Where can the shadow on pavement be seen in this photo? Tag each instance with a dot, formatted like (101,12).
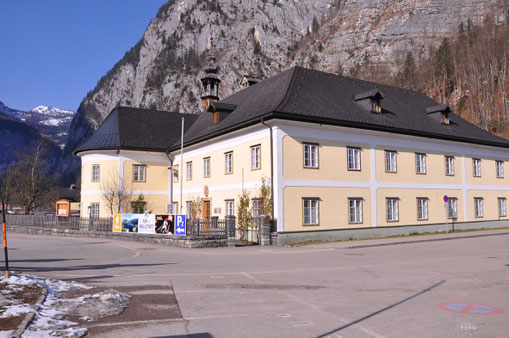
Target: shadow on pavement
(89,278)
(380,311)
(191,335)
(44,260)
(82,267)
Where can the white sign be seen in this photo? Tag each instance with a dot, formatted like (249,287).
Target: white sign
(146,223)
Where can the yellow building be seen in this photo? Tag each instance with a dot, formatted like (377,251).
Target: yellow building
(340,153)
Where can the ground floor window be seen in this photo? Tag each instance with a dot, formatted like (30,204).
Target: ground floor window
(138,207)
(228,207)
(422,208)
(94,210)
(173,208)
(189,208)
(452,207)
(392,209)
(502,207)
(478,206)
(310,211)
(257,207)
(355,210)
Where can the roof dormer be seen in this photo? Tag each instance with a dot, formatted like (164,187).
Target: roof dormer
(371,100)
(440,113)
(220,110)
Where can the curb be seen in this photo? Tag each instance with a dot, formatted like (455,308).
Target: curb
(30,316)
(424,240)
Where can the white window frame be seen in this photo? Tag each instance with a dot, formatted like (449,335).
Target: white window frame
(139,173)
(502,207)
(257,206)
(354,158)
(392,209)
(311,155)
(478,207)
(256,157)
(420,163)
(96,172)
(452,208)
(310,211)
(229,209)
(449,166)
(355,210)
(173,208)
(391,162)
(477,170)
(95,208)
(206,166)
(500,169)
(228,163)
(189,170)
(422,208)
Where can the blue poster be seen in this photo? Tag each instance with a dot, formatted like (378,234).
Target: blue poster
(180,225)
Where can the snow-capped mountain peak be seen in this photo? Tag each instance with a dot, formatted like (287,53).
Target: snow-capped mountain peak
(52,111)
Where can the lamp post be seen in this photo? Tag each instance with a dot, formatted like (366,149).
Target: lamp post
(4,229)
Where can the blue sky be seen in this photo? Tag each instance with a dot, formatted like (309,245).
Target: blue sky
(53,52)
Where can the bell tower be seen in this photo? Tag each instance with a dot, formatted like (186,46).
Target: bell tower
(210,83)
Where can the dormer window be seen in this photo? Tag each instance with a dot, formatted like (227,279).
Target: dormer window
(375,106)
(370,100)
(215,117)
(440,113)
(220,111)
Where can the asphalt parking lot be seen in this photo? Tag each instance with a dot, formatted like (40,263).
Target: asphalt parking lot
(454,288)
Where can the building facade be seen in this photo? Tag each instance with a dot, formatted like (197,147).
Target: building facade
(339,153)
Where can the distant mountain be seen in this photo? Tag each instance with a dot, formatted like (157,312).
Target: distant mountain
(8,111)
(51,122)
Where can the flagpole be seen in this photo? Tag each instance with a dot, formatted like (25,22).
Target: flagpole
(181,163)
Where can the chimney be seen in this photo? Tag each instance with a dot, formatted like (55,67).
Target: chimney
(210,82)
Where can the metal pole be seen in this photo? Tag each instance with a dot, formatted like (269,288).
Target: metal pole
(5,242)
(181,163)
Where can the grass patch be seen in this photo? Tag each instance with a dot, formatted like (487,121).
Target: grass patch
(389,237)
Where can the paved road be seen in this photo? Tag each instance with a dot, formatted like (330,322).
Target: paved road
(320,290)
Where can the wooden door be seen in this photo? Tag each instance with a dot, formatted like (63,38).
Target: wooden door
(206,210)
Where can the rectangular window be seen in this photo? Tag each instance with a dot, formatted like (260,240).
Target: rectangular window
(500,169)
(310,155)
(229,208)
(189,167)
(422,208)
(257,206)
(96,172)
(310,211)
(449,165)
(138,207)
(173,208)
(502,207)
(390,161)
(175,175)
(392,209)
(228,162)
(355,210)
(94,210)
(420,163)
(354,158)
(477,167)
(452,207)
(478,206)
(139,173)
(255,157)
(189,208)
(206,167)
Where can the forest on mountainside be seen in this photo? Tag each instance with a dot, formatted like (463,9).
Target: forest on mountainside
(468,71)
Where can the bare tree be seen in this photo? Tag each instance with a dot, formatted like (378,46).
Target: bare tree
(32,184)
(115,192)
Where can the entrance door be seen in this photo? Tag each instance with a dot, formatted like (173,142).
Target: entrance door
(206,210)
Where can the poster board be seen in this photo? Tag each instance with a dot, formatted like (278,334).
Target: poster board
(163,224)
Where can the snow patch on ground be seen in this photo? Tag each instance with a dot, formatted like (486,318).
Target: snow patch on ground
(50,319)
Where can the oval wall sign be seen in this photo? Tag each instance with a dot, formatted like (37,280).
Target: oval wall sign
(206,190)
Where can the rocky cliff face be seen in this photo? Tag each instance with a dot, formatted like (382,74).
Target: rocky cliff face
(261,38)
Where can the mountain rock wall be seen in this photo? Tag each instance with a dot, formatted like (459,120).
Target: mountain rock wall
(262,38)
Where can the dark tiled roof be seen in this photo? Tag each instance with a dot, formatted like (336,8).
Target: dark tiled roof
(137,129)
(374,93)
(313,96)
